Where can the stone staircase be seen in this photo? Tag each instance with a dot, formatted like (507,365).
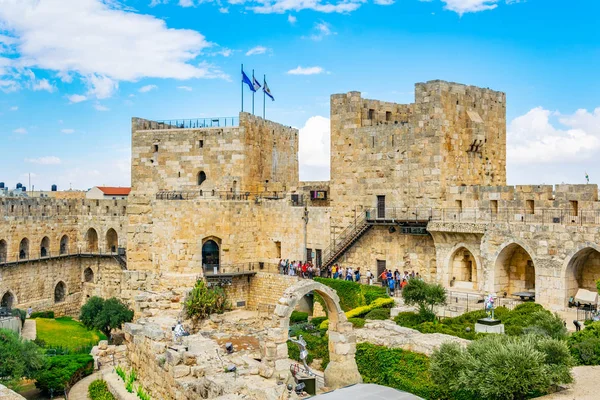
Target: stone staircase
(345,240)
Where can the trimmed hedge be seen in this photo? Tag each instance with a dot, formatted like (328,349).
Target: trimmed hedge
(378,314)
(357,322)
(62,372)
(98,390)
(298,316)
(585,345)
(364,310)
(317,345)
(43,314)
(403,370)
(352,294)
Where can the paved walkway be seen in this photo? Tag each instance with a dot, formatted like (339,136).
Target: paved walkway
(29,331)
(585,386)
(79,391)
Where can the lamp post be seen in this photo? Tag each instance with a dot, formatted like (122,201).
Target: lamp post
(305,219)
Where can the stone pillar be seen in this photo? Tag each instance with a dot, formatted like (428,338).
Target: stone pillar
(342,369)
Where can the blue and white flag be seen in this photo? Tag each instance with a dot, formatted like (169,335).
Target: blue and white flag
(247,81)
(268,91)
(255,84)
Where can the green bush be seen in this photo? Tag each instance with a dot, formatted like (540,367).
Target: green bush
(121,373)
(98,390)
(298,316)
(141,393)
(585,344)
(545,323)
(43,314)
(18,358)
(521,317)
(317,345)
(204,300)
(408,319)
(352,294)
(317,321)
(379,314)
(501,367)
(425,295)
(62,372)
(357,322)
(17,312)
(396,368)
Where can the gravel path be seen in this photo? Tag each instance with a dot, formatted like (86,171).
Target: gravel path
(29,331)
(585,386)
(80,390)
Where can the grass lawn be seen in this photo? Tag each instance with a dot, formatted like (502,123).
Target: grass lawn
(67,333)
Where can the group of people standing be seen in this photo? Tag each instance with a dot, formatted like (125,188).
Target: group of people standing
(298,268)
(396,281)
(348,274)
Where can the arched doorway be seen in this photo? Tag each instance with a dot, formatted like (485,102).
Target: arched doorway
(3,251)
(341,370)
(463,269)
(112,241)
(8,300)
(24,249)
(64,245)
(88,275)
(210,255)
(45,247)
(60,292)
(582,272)
(514,271)
(91,238)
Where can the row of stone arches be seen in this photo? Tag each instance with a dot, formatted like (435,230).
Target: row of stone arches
(514,270)
(9,300)
(91,238)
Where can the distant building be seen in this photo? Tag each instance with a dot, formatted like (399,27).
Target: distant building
(108,193)
(66,194)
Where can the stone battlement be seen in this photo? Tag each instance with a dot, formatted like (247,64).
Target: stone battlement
(26,207)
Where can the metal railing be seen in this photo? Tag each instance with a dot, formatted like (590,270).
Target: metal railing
(407,214)
(225,269)
(220,195)
(517,215)
(191,123)
(20,258)
(340,240)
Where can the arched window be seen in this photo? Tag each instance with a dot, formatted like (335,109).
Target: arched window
(92,240)
(7,300)
(88,275)
(464,269)
(210,255)
(3,251)
(112,240)
(60,291)
(45,247)
(64,245)
(201,177)
(24,249)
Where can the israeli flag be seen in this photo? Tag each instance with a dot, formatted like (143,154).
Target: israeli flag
(247,81)
(268,91)
(255,84)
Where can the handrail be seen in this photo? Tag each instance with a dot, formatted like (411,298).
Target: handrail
(190,123)
(220,195)
(18,259)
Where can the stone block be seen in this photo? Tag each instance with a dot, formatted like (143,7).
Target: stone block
(180,371)
(173,357)
(103,344)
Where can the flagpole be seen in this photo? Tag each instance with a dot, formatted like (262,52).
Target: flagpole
(264,95)
(242,87)
(253,92)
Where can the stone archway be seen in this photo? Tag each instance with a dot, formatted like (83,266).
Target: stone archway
(582,271)
(342,369)
(514,270)
(463,268)
(8,300)
(112,241)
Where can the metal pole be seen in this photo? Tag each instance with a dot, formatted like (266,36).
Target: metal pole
(264,94)
(253,92)
(305,218)
(242,87)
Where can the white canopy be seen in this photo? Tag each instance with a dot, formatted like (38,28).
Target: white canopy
(363,391)
(586,297)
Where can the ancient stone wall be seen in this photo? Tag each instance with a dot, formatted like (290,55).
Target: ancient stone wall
(60,284)
(267,289)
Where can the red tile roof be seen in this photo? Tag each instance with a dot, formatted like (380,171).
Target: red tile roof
(115,191)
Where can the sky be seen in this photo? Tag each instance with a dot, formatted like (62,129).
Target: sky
(74,72)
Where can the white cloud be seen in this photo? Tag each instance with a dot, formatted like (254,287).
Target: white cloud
(466,6)
(49,160)
(100,107)
(256,50)
(306,71)
(43,84)
(283,6)
(321,30)
(67,131)
(186,3)
(225,52)
(76,98)
(224,10)
(533,139)
(14,108)
(186,88)
(384,2)
(21,131)
(292,20)
(110,42)
(147,88)
(314,149)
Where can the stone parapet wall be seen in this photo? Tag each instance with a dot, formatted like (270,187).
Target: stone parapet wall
(266,289)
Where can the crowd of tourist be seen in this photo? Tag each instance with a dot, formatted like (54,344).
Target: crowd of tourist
(394,281)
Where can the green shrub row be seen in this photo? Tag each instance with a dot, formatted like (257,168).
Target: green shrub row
(43,314)
(98,390)
(585,345)
(403,370)
(357,322)
(351,294)
(62,372)
(378,314)
(297,317)
(317,344)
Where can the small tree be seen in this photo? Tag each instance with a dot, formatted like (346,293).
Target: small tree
(18,358)
(203,300)
(425,295)
(105,315)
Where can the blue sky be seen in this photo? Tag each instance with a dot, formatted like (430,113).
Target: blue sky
(74,72)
